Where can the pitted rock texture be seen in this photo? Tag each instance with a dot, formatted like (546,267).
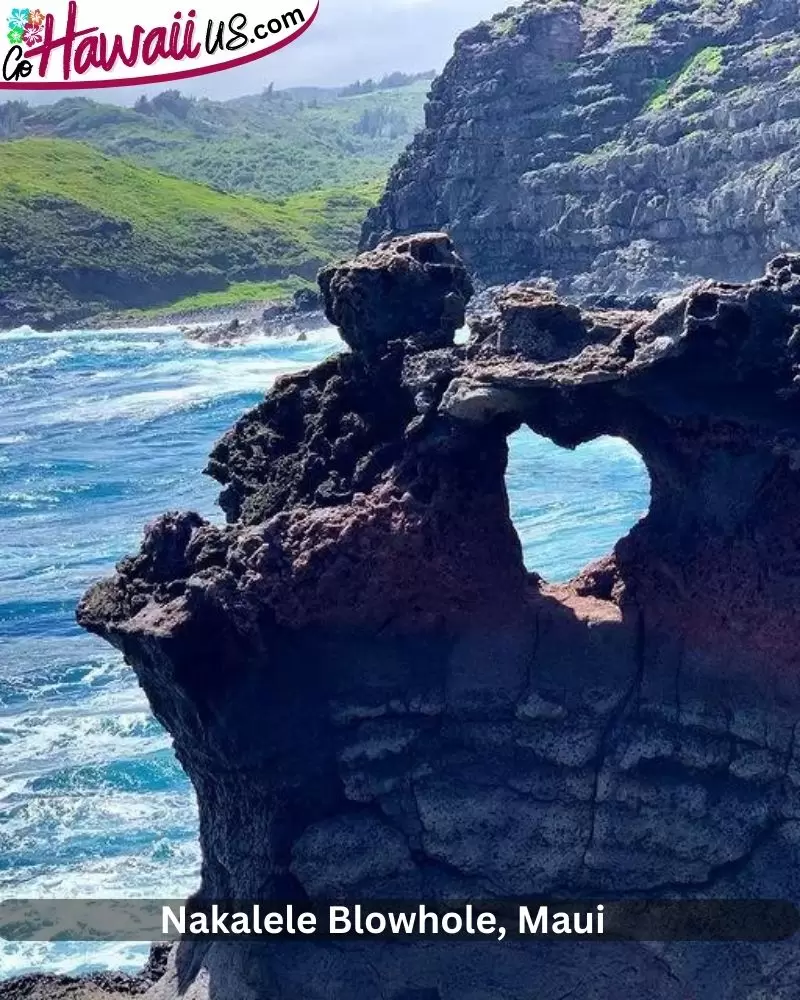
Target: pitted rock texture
(415,287)
(619,146)
(373,698)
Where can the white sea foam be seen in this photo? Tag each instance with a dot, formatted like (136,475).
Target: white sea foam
(28,334)
(209,381)
(19,958)
(35,364)
(119,344)
(60,739)
(319,336)
(155,868)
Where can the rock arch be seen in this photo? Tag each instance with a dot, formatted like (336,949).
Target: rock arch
(570,508)
(373,697)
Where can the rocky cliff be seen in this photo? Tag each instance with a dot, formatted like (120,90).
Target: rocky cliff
(373,698)
(615,145)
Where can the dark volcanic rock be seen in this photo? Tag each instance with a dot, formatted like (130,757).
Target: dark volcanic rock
(414,288)
(306,300)
(281,319)
(100,986)
(616,146)
(374,699)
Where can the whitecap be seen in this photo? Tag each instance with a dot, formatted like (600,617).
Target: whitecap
(29,334)
(120,344)
(323,336)
(210,381)
(69,959)
(31,365)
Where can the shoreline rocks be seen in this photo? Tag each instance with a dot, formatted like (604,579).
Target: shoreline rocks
(279,320)
(98,986)
(299,315)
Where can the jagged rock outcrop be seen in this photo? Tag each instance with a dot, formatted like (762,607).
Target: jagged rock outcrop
(95,986)
(414,288)
(373,698)
(618,146)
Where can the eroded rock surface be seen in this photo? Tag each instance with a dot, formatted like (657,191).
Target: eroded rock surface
(617,145)
(414,288)
(373,697)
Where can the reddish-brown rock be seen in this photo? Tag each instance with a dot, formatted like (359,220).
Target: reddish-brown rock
(373,698)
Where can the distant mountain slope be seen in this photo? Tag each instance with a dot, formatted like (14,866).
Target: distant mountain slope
(82,232)
(616,145)
(273,144)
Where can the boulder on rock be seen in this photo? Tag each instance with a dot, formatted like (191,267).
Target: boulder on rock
(415,288)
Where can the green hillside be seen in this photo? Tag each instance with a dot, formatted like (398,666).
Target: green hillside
(106,208)
(82,232)
(272,144)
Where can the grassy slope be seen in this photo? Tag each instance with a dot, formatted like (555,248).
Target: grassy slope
(81,231)
(271,145)
(237,295)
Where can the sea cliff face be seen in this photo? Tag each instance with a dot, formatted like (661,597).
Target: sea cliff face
(618,146)
(372,696)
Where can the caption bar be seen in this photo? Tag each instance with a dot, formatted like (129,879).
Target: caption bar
(499,920)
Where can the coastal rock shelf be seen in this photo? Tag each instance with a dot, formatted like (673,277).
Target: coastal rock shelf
(372,696)
(617,146)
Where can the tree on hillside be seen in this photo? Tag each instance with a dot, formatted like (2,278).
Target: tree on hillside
(11,115)
(169,102)
(382,121)
(389,82)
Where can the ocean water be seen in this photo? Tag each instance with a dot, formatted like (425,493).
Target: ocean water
(99,433)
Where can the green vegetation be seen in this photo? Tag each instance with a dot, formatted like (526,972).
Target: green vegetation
(111,208)
(640,34)
(245,291)
(104,207)
(630,8)
(82,232)
(600,153)
(660,96)
(273,144)
(503,25)
(239,294)
(623,15)
(687,82)
(390,81)
(709,61)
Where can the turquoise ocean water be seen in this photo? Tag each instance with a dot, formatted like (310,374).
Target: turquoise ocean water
(99,433)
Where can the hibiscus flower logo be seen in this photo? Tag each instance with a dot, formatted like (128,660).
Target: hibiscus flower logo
(19,18)
(16,24)
(25,25)
(32,34)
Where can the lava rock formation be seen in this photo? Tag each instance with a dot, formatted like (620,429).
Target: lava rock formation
(374,699)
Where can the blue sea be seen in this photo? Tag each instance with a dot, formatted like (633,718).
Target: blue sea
(99,433)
